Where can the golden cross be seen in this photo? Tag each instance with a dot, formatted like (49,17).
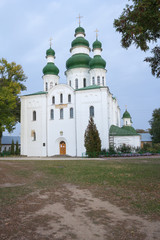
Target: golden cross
(50,41)
(96,33)
(79,19)
(126,107)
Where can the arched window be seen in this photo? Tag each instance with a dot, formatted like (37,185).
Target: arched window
(51,84)
(98,80)
(91,111)
(70,84)
(69,98)
(61,113)
(34,136)
(76,83)
(84,82)
(52,114)
(103,81)
(46,86)
(71,112)
(53,100)
(34,115)
(61,98)
(93,81)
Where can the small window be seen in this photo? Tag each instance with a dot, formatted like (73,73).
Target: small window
(71,112)
(51,84)
(34,115)
(84,82)
(61,113)
(91,111)
(53,100)
(70,84)
(103,81)
(126,123)
(46,86)
(61,98)
(34,136)
(52,114)
(98,80)
(69,98)
(93,81)
(76,83)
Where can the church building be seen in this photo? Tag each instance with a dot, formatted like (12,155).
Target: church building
(53,121)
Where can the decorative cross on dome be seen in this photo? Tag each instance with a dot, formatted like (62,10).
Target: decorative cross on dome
(50,40)
(126,107)
(96,33)
(79,19)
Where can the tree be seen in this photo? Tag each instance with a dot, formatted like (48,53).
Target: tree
(12,148)
(155,126)
(17,148)
(139,24)
(92,141)
(11,78)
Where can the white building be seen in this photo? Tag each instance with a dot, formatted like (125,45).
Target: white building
(53,121)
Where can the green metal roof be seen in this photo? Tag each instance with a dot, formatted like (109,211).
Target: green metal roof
(90,87)
(126,114)
(50,52)
(37,93)
(97,44)
(123,131)
(79,60)
(50,68)
(80,41)
(97,62)
(79,30)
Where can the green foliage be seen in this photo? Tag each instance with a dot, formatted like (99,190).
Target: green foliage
(155,126)
(17,149)
(124,148)
(11,78)
(139,25)
(12,148)
(111,150)
(92,140)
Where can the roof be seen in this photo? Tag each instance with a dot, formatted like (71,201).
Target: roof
(126,114)
(146,137)
(123,131)
(8,139)
(90,87)
(36,93)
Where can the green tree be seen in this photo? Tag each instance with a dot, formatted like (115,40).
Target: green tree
(12,148)
(139,24)
(92,141)
(17,148)
(155,126)
(11,84)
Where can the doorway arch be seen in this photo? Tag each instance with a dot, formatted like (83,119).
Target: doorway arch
(62,148)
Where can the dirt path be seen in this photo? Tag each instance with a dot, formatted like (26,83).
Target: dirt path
(76,214)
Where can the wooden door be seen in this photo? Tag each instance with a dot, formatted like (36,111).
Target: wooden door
(62,147)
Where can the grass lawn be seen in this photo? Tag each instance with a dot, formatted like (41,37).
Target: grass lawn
(131,184)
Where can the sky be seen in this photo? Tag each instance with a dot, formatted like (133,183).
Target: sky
(27,26)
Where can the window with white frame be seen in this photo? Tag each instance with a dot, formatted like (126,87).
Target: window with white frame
(34,115)
(71,112)
(103,81)
(93,81)
(98,80)
(69,98)
(46,86)
(52,114)
(53,100)
(91,111)
(61,113)
(61,98)
(76,83)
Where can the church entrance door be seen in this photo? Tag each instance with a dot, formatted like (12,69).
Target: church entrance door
(62,147)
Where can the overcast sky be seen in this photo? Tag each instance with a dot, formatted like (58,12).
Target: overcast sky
(27,25)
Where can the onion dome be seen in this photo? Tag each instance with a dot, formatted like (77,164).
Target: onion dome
(97,62)
(79,30)
(50,68)
(126,114)
(79,60)
(97,44)
(80,41)
(50,52)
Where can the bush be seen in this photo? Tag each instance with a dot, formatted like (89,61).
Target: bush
(124,148)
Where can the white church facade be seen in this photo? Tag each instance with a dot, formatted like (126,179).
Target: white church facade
(53,121)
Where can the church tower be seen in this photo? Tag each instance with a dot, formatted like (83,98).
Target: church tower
(50,71)
(127,120)
(97,65)
(77,65)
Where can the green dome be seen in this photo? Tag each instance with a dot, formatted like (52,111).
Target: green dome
(79,60)
(79,30)
(97,62)
(80,41)
(50,52)
(50,68)
(97,44)
(126,114)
